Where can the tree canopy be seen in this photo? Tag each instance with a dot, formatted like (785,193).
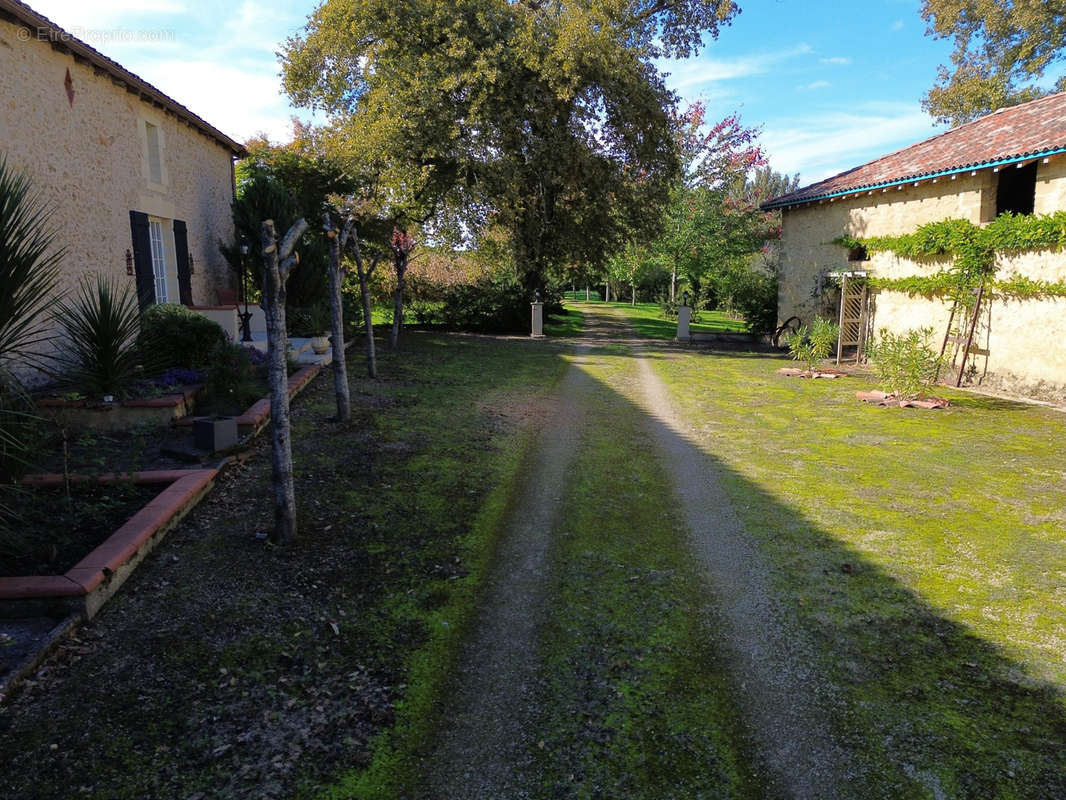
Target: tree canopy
(547,119)
(1002,50)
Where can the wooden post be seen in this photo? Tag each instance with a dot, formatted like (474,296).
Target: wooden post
(364,272)
(278,261)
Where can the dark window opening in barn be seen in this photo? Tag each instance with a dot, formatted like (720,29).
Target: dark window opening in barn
(858,254)
(1017,188)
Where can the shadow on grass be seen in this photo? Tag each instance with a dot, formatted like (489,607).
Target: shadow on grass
(925,706)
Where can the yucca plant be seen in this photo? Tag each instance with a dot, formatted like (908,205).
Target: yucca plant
(101,321)
(29,271)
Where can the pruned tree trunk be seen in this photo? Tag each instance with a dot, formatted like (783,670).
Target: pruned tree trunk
(673,282)
(402,244)
(586,292)
(364,272)
(397,303)
(633,297)
(278,261)
(337,238)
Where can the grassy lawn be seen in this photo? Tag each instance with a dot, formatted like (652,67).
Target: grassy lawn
(925,555)
(233,669)
(570,323)
(649,322)
(636,702)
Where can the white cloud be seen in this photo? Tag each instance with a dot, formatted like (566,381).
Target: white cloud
(817,145)
(697,72)
(218,59)
(841,60)
(816,85)
(897,25)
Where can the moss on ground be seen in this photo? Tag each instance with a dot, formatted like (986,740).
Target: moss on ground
(637,703)
(923,552)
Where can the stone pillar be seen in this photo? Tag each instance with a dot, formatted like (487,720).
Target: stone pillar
(538,320)
(684,316)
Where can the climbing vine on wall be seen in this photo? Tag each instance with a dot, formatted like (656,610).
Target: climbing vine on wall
(973,250)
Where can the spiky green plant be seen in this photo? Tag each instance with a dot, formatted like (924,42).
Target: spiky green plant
(811,345)
(101,322)
(29,271)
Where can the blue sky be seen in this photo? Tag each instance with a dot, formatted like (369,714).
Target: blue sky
(831,84)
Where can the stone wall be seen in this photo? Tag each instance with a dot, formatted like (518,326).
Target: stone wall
(1026,352)
(88,158)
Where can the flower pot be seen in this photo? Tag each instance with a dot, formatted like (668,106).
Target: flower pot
(214,433)
(320,344)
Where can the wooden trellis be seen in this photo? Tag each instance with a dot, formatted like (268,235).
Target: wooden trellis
(854,313)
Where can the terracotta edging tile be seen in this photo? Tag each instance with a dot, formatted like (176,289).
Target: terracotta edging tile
(122,545)
(33,586)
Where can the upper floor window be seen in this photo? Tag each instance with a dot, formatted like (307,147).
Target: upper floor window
(1016,189)
(155,153)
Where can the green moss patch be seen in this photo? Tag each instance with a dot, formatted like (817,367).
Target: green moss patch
(922,552)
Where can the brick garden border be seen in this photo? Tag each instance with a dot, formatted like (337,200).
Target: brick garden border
(91,582)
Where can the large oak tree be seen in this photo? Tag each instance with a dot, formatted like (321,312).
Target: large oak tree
(1002,50)
(547,118)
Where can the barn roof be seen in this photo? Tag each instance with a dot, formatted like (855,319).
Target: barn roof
(1011,135)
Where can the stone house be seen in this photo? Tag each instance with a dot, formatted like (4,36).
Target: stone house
(141,186)
(1013,160)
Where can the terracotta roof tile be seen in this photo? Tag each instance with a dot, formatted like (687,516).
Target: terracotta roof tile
(1011,134)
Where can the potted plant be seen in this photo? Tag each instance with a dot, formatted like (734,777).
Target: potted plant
(314,323)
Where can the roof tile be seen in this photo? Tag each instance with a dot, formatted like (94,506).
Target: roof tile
(1009,134)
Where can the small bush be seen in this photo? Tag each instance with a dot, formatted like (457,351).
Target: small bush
(236,378)
(174,336)
(755,299)
(495,305)
(101,324)
(906,362)
(814,344)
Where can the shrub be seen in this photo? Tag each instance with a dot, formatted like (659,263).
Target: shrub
(236,378)
(906,362)
(101,323)
(174,336)
(492,304)
(755,299)
(812,345)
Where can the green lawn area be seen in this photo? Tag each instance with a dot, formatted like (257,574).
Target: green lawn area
(925,554)
(570,323)
(648,320)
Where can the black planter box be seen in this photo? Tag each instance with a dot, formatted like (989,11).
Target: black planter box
(214,433)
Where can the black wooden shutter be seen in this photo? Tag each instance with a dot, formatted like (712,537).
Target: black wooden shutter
(142,259)
(181,251)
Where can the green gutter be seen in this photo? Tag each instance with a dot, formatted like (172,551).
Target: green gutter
(900,181)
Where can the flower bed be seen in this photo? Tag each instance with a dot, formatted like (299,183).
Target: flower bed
(87,585)
(120,415)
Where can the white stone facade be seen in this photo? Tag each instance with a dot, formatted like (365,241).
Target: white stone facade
(1026,349)
(97,148)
